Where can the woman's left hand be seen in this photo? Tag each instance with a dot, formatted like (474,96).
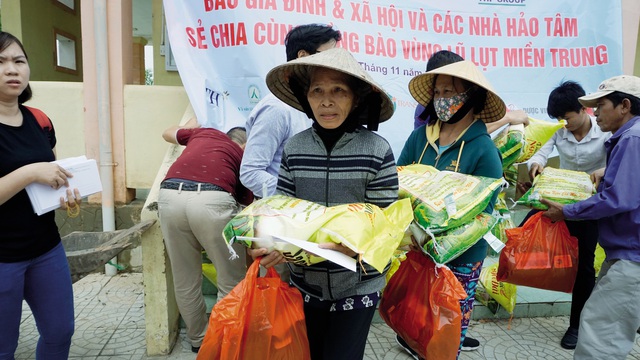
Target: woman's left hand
(338,247)
(73,199)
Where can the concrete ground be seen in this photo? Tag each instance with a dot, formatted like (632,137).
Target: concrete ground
(110,325)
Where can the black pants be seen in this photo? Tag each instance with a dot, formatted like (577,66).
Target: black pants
(337,335)
(586,231)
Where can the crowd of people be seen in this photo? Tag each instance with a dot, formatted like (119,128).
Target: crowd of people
(314,138)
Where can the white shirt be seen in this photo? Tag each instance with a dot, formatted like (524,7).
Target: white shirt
(269,126)
(586,155)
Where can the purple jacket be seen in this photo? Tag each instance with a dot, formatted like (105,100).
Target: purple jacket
(616,206)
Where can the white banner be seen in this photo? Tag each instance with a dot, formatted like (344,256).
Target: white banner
(224,48)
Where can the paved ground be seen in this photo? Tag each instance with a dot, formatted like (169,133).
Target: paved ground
(110,325)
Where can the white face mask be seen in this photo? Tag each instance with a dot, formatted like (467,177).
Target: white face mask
(447,107)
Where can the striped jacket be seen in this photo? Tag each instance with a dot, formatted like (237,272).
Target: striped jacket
(359,168)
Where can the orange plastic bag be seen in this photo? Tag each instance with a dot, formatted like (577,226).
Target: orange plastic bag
(421,304)
(540,254)
(261,318)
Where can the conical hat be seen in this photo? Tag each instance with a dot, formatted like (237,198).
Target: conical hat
(337,59)
(421,88)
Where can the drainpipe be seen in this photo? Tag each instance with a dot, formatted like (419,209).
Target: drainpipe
(104,122)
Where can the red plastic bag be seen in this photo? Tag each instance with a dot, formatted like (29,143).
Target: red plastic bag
(261,318)
(540,254)
(421,303)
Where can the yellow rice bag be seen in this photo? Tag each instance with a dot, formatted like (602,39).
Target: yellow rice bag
(398,257)
(443,200)
(559,185)
(503,293)
(370,231)
(536,134)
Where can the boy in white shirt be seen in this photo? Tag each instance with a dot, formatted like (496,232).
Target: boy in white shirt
(580,145)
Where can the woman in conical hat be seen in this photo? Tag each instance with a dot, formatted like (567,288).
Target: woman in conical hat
(336,161)
(456,139)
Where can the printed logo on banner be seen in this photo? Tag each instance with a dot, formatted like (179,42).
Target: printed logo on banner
(254,94)
(215,98)
(215,109)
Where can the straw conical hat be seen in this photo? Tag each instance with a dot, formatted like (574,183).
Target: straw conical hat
(337,59)
(421,88)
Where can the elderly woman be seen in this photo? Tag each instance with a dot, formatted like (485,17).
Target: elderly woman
(336,161)
(456,139)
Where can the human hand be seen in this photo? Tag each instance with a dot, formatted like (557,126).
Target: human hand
(338,247)
(515,117)
(555,210)
(523,187)
(268,259)
(72,204)
(73,199)
(534,170)
(50,174)
(596,176)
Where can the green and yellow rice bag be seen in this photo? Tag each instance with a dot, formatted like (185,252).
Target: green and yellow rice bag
(450,244)
(536,134)
(370,231)
(511,175)
(503,293)
(503,221)
(559,185)
(510,142)
(443,200)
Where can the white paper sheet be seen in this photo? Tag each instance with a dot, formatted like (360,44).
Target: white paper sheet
(86,179)
(331,255)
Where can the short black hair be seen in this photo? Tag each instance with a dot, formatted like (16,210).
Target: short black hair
(442,58)
(308,38)
(238,135)
(6,40)
(564,99)
(616,98)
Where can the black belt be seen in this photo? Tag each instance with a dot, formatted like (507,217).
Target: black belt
(190,186)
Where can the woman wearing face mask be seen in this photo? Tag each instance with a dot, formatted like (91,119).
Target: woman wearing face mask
(456,139)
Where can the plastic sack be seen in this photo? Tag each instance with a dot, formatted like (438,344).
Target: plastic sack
(540,254)
(510,142)
(261,318)
(444,200)
(536,134)
(559,185)
(421,303)
(503,293)
(398,257)
(370,231)
(452,243)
